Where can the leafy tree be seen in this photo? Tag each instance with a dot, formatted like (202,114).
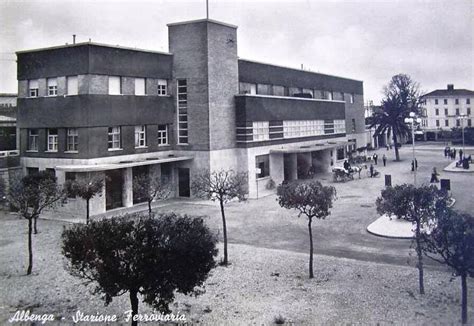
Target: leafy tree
(30,195)
(221,186)
(416,205)
(151,257)
(311,199)
(401,96)
(86,189)
(451,242)
(149,187)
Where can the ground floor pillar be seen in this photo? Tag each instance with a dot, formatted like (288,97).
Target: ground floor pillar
(291,166)
(127,189)
(277,168)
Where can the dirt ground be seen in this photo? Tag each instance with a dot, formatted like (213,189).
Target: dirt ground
(259,285)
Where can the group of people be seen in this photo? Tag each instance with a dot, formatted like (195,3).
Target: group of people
(451,153)
(375,157)
(463,159)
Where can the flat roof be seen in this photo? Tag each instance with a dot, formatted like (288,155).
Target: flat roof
(92,43)
(201,21)
(119,165)
(296,69)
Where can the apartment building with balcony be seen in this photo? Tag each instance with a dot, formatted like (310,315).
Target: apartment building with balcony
(113,112)
(444,109)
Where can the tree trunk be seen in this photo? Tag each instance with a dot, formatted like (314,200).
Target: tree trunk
(134,304)
(87,211)
(224,227)
(149,208)
(30,247)
(395,140)
(464,298)
(419,253)
(311,274)
(35,219)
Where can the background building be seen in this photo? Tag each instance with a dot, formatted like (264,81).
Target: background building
(91,109)
(443,109)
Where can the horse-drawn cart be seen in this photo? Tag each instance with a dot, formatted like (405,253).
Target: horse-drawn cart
(342,175)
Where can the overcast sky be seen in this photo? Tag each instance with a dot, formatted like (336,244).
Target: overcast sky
(432,41)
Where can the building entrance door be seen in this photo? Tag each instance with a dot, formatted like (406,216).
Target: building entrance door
(183,182)
(113,189)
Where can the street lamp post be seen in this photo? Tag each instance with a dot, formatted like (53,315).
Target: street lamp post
(412,120)
(462,118)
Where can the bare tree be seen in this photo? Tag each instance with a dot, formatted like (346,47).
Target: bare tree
(30,195)
(149,188)
(221,186)
(86,189)
(311,199)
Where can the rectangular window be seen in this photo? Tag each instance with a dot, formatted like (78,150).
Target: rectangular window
(302,128)
(353,125)
(342,96)
(458,123)
(436,101)
(445,101)
(33,87)
(262,164)
(340,153)
(115,85)
(446,123)
(351,98)
(468,101)
(468,111)
(72,139)
(260,130)
(140,136)
(52,87)
(72,85)
(33,139)
(445,111)
(140,86)
(469,123)
(278,90)
(114,138)
(456,101)
(52,140)
(436,111)
(330,96)
(182,99)
(162,87)
(457,111)
(437,123)
(162,135)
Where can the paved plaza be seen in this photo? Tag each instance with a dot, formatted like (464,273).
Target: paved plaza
(263,223)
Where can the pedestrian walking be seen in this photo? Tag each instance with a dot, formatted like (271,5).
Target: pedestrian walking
(375,157)
(416,164)
(371,169)
(384,159)
(434,176)
(387,147)
(412,166)
(454,154)
(460,154)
